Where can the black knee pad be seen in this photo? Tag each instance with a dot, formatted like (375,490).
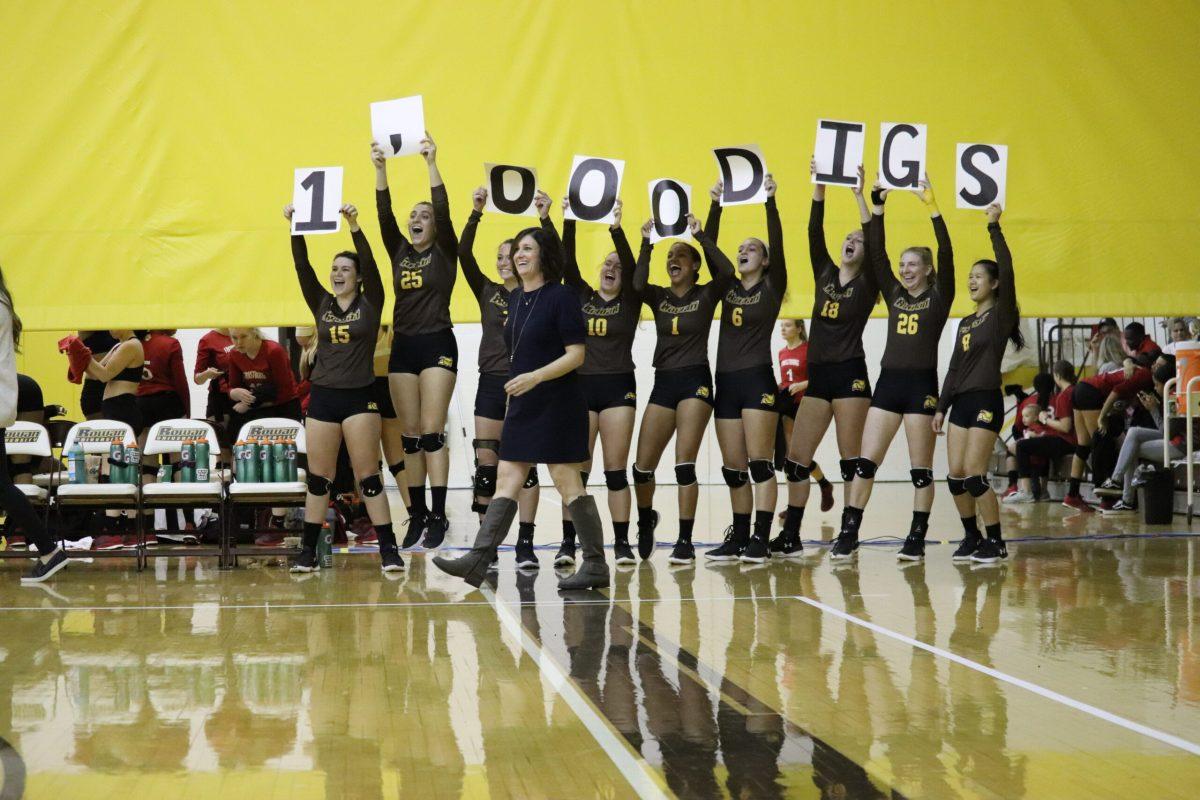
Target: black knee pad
(865,468)
(848,465)
(734,478)
(761,470)
(957,486)
(486,444)
(977,485)
(478,507)
(432,442)
(318,485)
(685,474)
(585,476)
(921,477)
(1083,451)
(641,477)
(796,472)
(412,444)
(371,486)
(485,480)
(396,468)
(531,479)
(616,480)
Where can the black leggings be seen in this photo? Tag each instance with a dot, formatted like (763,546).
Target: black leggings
(1048,447)
(21,513)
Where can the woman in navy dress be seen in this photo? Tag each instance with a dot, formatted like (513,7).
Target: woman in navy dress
(547,417)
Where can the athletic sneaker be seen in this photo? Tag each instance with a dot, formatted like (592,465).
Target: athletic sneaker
(436,526)
(43,570)
(1106,504)
(682,553)
(826,495)
(565,557)
(1111,488)
(787,545)
(729,550)
(845,547)
(526,559)
(1078,503)
(390,560)
(368,538)
(307,561)
(1010,491)
(990,551)
(495,564)
(15,542)
(645,536)
(1019,497)
(1119,508)
(967,548)
(269,540)
(913,549)
(180,537)
(757,551)
(416,528)
(623,553)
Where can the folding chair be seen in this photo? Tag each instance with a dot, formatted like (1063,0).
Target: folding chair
(168,436)
(256,495)
(95,436)
(58,430)
(28,439)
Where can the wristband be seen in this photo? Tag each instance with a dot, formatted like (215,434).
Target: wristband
(877,197)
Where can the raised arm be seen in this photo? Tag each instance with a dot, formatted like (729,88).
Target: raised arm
(625,256)
(543,202)
(1006,304)
(310,285)
(368,270)
(446,240)
(127,354)
(712,225)
(641,272)
(875,238)
(571,275)
(466,245)
(818,252)
(722,268)
(777,269)
(393,239)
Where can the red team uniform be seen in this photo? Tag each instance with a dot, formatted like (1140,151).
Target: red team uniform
(793,368)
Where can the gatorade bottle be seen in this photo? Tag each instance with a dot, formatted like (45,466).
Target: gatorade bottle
(116,462)
(187,462)
(325,543)
(279,460)
(265,473)
(202,461)
(253,470)
(133,464)
(239,471)
(76,464)
(289,457)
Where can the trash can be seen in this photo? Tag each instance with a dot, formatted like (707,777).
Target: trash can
(1156,493)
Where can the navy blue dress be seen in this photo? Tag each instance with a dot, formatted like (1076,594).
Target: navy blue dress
(549,424)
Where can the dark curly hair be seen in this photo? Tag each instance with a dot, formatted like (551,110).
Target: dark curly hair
(550,253)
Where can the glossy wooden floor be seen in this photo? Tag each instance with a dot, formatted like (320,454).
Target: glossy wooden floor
(186,682)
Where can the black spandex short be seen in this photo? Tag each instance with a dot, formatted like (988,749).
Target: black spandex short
(786,403)
(907,391)
(338,405)
(614,390)
(673,386)
(491,401)
(419,352)
(745,389)
(124,408)
(839,380)
(983,408)
(383,397)
(91,397)
(1087,397)
(159,407)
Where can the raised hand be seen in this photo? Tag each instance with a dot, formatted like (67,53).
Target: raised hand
(862,179)
(716,190)
(479,198)
(768,184)
(288,210)
(378,157)
(542,202)
(693,224)
(429,149)
(616,215)
(993,212)
(351,214)
(647,228)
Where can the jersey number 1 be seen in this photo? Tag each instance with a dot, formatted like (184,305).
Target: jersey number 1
(674,326)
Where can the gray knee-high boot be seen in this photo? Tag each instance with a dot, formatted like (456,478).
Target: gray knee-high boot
(472,567)
(593,572)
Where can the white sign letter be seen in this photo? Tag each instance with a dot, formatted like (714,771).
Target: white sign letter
(839,152)
(398,125)
(981,175)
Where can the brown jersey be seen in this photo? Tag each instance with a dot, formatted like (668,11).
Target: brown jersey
(840,311)
(611,324)
(493,303)
(423,281)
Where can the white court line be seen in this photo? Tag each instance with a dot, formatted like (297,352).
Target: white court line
(1049,694)
(640,775)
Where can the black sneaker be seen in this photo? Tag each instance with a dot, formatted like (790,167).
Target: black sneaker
(623,554)
(307,561)
(526,559)
(729,550)
(846,547)
(390,560)
(787,545)
(495,565)
(913,549)
(682,553)
(565,557)
(757,551)
(43,570)
(990,551)
(967,548)
(416,528)
(645,536)
(1110,488)
(436,526)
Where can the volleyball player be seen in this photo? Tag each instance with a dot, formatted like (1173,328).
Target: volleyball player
(838,386)
(611,311)
(491,401)
(92,393)
(424,361)
(971,393)
(745,404)
(793,383)
(681,401)
(547,418)
(391,436)
(918,302)
(342,404)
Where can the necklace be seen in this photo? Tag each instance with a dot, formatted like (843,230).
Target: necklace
(531,304)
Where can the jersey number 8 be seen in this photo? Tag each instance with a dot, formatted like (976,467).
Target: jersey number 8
(830,309)
(597,326)
(907,323)
(410,279)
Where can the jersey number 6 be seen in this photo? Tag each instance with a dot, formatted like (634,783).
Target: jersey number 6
(736,317)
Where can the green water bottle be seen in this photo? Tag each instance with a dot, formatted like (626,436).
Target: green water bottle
(325,547)
(116,462)
(133,464)
(187,462)
(289,457)
(253,473)
(239,471)
(76,464)
(265,473)
(278,460)
(202,461)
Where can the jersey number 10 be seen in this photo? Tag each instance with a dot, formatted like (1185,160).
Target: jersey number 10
(597,326)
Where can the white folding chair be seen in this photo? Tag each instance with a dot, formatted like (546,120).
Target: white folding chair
(29,439)
(95,437)
(257,494)
(168,436)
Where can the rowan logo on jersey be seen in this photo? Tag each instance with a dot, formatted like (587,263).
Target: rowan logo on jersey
(833,293)
(445,361)
(903,304)
(667,307)
(353,316)
(500,301)
(930,402)
(859,385)
(735,298)
(372,406)
(631,396)
(768,400)
(984,416)
(168,433)
(702,392)
(592,309)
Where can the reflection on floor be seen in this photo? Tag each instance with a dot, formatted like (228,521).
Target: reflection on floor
(183,681)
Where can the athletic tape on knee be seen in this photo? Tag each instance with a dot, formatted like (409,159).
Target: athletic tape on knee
(977,485)
(531,480)
(318,485)
(956,486)
(796,472)
(734,478)
(616,480)
(371,486)
(685,474)
(642,477)
(921,477)
(485,480)
(486,444)
(761,470)
(411,444)
(865,468)
(432,442)
(847,465)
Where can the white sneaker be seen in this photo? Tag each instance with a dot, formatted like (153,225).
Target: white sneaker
(1119,508)
(1019,497)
